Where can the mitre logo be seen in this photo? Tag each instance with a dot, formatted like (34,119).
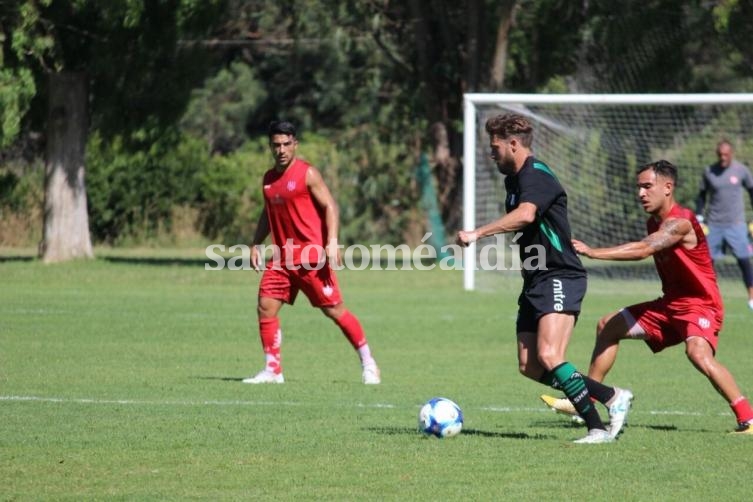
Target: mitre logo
(559,295)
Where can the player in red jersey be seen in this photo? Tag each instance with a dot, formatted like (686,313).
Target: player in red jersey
(690,309)
(303,218)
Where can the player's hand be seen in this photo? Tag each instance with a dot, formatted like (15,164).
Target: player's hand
(466,238)
(333,255)
(256,258)
(580,247)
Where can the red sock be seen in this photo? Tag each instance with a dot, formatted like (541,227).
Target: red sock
(742,409)
(352,329)
(271,339)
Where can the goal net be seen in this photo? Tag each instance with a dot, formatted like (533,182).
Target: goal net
(594,143)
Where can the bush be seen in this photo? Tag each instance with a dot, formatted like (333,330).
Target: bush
(132,193)
(150,188)
(21,203)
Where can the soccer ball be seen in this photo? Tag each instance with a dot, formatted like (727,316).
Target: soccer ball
(440,417)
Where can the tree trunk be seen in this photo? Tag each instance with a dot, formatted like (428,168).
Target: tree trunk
(66,221)
(499,62)
(447,171)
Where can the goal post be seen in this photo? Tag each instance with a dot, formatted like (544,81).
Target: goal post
(594,142)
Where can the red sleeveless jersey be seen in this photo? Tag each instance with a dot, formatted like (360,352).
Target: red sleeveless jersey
(687,275)
(295,220)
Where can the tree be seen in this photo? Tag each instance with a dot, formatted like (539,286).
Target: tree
(66,221)
(119,56)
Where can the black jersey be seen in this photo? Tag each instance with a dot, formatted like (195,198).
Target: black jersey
(545,246)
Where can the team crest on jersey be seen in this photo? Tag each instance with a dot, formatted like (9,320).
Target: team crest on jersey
(291,186)
(704,323)
(733,180)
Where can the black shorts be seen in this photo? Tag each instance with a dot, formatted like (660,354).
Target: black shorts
(550,295)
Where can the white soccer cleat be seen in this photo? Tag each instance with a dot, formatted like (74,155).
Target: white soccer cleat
(265,376)
(371,374)
(618,410)
(595,436)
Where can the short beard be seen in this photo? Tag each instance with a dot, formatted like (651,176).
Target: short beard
(506,167)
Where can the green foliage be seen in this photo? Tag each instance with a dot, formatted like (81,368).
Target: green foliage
(21,187)
(131,193)
(230,197)
(16,90)
(376,189)
(21,203)
(168,100)
(722,12)
(219,110)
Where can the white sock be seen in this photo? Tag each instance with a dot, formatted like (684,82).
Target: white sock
(365,354)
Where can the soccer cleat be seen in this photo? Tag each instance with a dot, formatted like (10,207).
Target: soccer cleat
(618,410)
(750,304)
(595,436)
(559,404)
(744,428)
(371,374)
(265,376)
(564,406)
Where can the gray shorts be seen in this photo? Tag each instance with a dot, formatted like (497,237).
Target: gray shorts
(735,236)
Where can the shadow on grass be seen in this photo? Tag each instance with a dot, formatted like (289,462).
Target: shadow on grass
(671,428)
(661,427)
(220,378)
(157,261)
(400,431)
(506,435)
(567,424)
(563,423)
(16,258)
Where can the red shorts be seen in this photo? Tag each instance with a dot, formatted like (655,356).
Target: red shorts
(319,286)
(666,323)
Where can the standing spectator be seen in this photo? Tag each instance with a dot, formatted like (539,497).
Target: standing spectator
(724,182)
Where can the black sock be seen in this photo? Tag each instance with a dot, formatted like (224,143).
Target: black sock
(572,383)
(602,393)
(548,379)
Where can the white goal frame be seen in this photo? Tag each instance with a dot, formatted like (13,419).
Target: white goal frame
(471,100)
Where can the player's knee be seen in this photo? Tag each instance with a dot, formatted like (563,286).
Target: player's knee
(549,357)
(528,370)
(335,311)
(611,327)
(602,324)
(701,357)
(264,310)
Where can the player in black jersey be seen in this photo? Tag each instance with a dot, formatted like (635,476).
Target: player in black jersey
(554,280)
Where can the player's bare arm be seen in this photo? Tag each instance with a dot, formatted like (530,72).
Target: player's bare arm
(323,198)
(515,220)
(671,232)
(262,231)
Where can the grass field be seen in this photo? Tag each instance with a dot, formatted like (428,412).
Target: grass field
(120,379)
